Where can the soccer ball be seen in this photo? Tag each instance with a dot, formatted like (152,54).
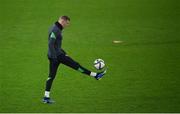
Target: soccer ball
(99,64)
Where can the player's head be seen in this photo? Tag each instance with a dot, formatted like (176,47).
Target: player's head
(64,21)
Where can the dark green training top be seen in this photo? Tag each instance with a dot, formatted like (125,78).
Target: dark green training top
(55,41)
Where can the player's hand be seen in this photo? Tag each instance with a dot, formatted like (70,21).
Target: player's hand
(63,52)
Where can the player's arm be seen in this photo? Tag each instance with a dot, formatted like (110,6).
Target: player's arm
(51,44)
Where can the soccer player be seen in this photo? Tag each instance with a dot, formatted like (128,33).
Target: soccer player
(57,55)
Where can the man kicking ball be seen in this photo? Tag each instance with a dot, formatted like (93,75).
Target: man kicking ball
(57,55)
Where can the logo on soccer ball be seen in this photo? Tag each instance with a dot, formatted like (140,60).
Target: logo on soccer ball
(99,64)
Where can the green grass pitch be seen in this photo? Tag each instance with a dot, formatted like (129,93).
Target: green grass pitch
(144,70)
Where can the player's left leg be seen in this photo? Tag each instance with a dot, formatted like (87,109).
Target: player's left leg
(53,66)
(66,60)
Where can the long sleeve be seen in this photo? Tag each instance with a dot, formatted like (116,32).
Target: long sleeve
(51,45)
(55,41)
(62,51)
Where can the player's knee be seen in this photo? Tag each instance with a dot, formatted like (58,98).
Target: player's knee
(77,65)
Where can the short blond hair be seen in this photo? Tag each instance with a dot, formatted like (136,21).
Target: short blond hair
(64,17)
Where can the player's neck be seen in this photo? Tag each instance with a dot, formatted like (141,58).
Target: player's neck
(59,25)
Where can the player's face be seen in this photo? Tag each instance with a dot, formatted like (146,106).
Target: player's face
(66,23)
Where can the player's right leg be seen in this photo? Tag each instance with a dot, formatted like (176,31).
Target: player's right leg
(53,66)
(66,60)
